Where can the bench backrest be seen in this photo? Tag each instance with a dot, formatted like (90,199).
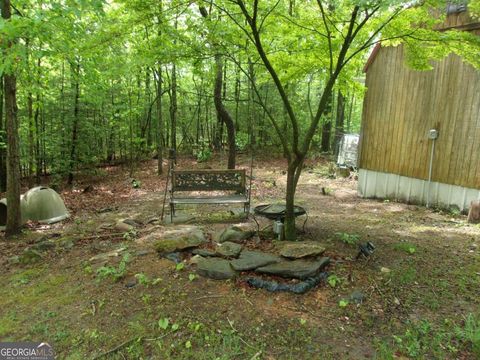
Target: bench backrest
(208,180)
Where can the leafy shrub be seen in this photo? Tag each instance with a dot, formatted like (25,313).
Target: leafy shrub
(204,155)
(349,239)
(111,271)
(241,141)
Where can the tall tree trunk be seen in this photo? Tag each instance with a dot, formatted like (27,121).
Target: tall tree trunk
(3,154)
(13,156)
(160,122)
(38,158)
(327,127)
(73,147)
(173,109)
(349,118)
(31,144)
(222,112)
(339,122)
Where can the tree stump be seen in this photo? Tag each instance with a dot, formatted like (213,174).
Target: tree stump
(474,212)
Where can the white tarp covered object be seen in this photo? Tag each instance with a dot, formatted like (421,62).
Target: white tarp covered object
(40,204)
(348,151)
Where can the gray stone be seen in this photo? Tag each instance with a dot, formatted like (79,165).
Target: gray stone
(179,238)
(143,252)
(228,249)
(300,249)
(215,268)
(106,256)
(195,259)
(250,260)
(174,256)
(203,252)
(235,234)
(300,269)
(357,297)
(132,222)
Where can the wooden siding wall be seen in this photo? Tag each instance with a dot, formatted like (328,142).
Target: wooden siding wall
(401,105)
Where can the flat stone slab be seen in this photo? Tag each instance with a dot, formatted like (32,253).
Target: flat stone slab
(228,249)
(215,268)
(250,260)
(300,249)
(299,269)
(235,234)
(178,239)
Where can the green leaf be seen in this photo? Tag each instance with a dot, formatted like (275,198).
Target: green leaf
(188,344)
(343,303)
(175,327)
(180,266)
(163,323)
(192,277)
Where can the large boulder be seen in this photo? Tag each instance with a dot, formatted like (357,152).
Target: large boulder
(235,234)
(215,268)
(300,249)
(228,249)
(250,260)
(178,239)
(299,269)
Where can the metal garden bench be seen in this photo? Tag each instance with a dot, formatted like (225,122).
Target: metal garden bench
(209,187)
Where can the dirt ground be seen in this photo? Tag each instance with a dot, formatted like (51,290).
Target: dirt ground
(419,291)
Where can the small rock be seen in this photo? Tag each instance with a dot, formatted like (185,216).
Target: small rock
(195,259)
(228,249)
(396,301)
(235,234)
(300,269)
(105,256)
(300,249)
(385,270)
(131,282)
(357,297)
(203,252)
(122,226)
(250,260)
(174,256)
(133,223)
(143,252)
(215,268)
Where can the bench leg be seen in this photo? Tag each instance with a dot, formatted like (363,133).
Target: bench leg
(172,212)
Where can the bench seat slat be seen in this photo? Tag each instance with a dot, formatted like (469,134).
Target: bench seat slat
(228,199)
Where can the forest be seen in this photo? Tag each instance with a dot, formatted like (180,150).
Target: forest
(104,102)
(117,82)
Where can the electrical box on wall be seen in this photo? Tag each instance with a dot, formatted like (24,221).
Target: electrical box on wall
(433,134)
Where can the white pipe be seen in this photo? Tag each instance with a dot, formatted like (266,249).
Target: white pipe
(430,173)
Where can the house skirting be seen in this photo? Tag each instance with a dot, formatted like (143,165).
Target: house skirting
(375,184)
